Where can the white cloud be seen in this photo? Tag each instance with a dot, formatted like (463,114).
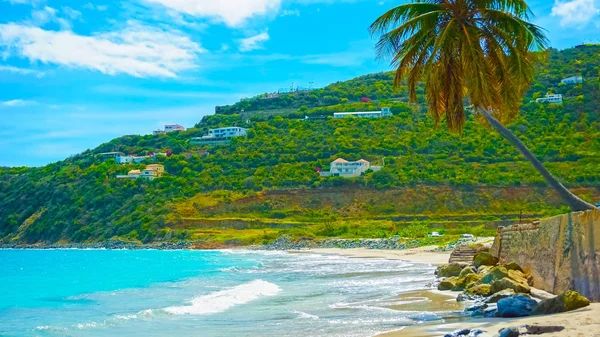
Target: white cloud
(100,8)
(72,13)
(232,12)
(575,12)
(22,71)
(46,15)
(253,42)
(137,50)
(16,103)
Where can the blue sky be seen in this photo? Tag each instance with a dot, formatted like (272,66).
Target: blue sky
(75,74)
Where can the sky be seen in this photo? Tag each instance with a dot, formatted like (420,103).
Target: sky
(75,74)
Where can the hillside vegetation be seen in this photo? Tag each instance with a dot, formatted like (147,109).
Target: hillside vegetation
(251,186)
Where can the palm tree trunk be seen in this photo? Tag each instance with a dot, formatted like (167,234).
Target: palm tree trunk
(576,203)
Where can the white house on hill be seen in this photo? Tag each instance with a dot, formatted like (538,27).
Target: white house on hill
(554,99)
(220,136)
(349,169)
(385,112)
(572,80)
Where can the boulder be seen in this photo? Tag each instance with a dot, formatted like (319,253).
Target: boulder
(449,270)
(466,271)
(509,332)
(462,297)
(568,301)
(507,283)
(494,274)
(480,290)
(541,329)
(516,306)
(541,294)
(518,276)
(500,295)
(448,283)
(464,281)
(465,333)
(482,270)
(513,266)
(484,259)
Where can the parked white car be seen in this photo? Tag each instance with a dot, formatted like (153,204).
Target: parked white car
(467,236)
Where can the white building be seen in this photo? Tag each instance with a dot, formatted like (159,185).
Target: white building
(554,99)
(127,159)
(348,169)
(572,80)
(385,112)
(221,135)
(226,133)
(173,127)
(158,132)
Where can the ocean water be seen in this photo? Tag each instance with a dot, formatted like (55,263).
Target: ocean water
(205,293)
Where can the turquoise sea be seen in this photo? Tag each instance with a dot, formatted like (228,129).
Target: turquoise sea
(203,293)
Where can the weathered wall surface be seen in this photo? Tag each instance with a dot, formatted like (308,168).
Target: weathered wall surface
(562,252)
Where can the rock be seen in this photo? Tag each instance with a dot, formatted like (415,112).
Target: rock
(540,329)
(448,283)
(484,259)
(462,297)
(466,271)
(541,294)
(448,270)
(465,333)
(507,283)
(513,266)
(482,270)
(500,295)
(494,274)
(516,306)
(480,290)
(568,301)
(509,332)
(517,276)
(463,282)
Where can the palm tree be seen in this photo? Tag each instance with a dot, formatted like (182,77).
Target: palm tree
(480,50)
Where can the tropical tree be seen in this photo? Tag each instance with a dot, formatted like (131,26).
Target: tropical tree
(477,51)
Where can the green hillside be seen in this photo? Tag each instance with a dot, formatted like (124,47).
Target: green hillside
(475,179)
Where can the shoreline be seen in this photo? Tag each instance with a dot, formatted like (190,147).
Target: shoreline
(424,254)
(584,322)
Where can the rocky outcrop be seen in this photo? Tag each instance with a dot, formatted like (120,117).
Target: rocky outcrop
(561,253)
(568,301)
(516,306)
(484,259)
(507,283)
(448,283)
(449,270)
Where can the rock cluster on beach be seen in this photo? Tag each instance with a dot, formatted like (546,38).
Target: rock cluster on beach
(502,290)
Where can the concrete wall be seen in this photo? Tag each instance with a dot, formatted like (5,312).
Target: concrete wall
(562,252)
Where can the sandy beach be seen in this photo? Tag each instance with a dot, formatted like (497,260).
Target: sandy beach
(578,323)
(419,255)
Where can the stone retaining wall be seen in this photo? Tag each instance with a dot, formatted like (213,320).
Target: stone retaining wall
(562,252)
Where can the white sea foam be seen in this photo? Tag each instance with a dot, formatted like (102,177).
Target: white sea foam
(225,299)
(306,315)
